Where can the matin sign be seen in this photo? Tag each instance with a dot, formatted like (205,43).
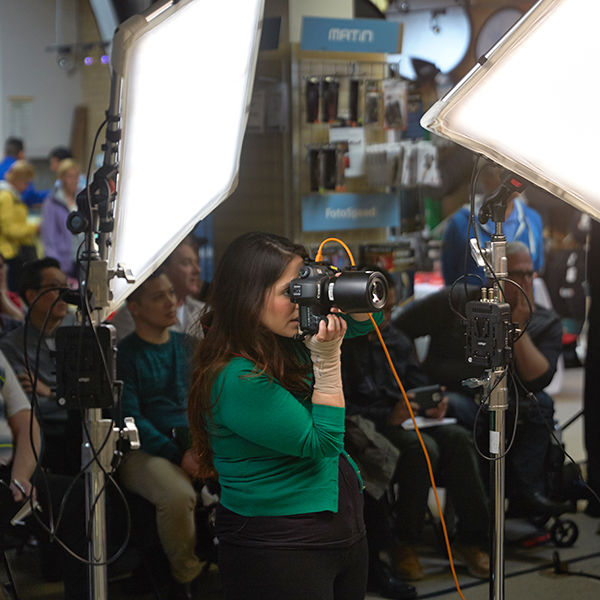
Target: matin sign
(350,35)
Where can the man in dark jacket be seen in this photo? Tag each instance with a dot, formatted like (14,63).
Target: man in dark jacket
(535,355)
(371,391)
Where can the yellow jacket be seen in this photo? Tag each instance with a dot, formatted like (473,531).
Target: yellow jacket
(15,231)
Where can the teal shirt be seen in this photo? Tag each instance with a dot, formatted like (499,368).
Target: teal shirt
(155,390)
(276,453)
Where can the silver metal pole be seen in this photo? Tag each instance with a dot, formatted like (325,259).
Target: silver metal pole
(498,407)
(101,433)
(95,481)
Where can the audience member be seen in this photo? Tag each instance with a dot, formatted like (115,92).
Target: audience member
(377,458)
(11,311)
(14,150)
(39,288)
(16,409)
(290,521)
(56,156)
(372,392)
(153,363)
(535,356)
(183,270)
(17,236)
(58,241)
(522,224)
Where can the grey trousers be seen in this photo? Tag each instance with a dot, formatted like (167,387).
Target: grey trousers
(168,487)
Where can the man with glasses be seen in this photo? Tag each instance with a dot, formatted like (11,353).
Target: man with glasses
(41,282)
(535,355)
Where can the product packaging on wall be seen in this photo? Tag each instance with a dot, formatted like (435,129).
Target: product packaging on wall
(404,164)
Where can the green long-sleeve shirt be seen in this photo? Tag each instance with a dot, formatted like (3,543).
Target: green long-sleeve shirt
(155,390)
(276,453)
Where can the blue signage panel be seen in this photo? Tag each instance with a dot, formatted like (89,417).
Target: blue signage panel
(322,212)
(350,35)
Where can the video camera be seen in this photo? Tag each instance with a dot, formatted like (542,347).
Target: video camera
(320,286)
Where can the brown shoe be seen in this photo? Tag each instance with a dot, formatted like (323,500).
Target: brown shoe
(476,560)
(405,563)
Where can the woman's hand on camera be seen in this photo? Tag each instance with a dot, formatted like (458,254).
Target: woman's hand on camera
(324,349)
(332,328)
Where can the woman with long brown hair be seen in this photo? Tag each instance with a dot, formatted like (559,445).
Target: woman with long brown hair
(267,417)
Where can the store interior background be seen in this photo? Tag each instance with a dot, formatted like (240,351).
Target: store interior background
(50,104)
(51,97)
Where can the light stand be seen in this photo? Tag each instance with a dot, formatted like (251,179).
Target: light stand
(86,358)
(153,54)
(554,44)
(489,344)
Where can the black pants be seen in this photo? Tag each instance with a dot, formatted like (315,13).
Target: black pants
(273,574)
(526,461)
(453,459)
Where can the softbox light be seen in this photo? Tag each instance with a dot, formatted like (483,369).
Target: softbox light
(525,104)
(185,71)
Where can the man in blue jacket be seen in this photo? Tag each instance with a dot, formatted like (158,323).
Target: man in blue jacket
(522,224)
(14,150)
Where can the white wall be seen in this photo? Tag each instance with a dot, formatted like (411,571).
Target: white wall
(26,69)
(339,9)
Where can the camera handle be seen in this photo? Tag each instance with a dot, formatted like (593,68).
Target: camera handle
(309,321)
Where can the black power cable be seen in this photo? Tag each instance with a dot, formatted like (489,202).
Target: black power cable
(87,320)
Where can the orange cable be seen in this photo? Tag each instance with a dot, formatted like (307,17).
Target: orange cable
(429,467)
(319,255)
(318,258)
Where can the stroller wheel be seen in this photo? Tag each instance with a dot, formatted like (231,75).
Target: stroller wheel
(564,532)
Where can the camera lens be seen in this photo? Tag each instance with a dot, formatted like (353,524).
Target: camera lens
(359,291)
(377,291)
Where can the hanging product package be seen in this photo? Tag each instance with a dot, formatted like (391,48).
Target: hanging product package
(372,100)
(342,162)
(354,92)
(330,89)
(312,100)
(394,102)
(328,167)
(314,162)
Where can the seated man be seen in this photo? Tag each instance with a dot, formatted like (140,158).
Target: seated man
(17,411)
(38,282)
(182,267)
(535,356)
(153,363)
(372,392)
